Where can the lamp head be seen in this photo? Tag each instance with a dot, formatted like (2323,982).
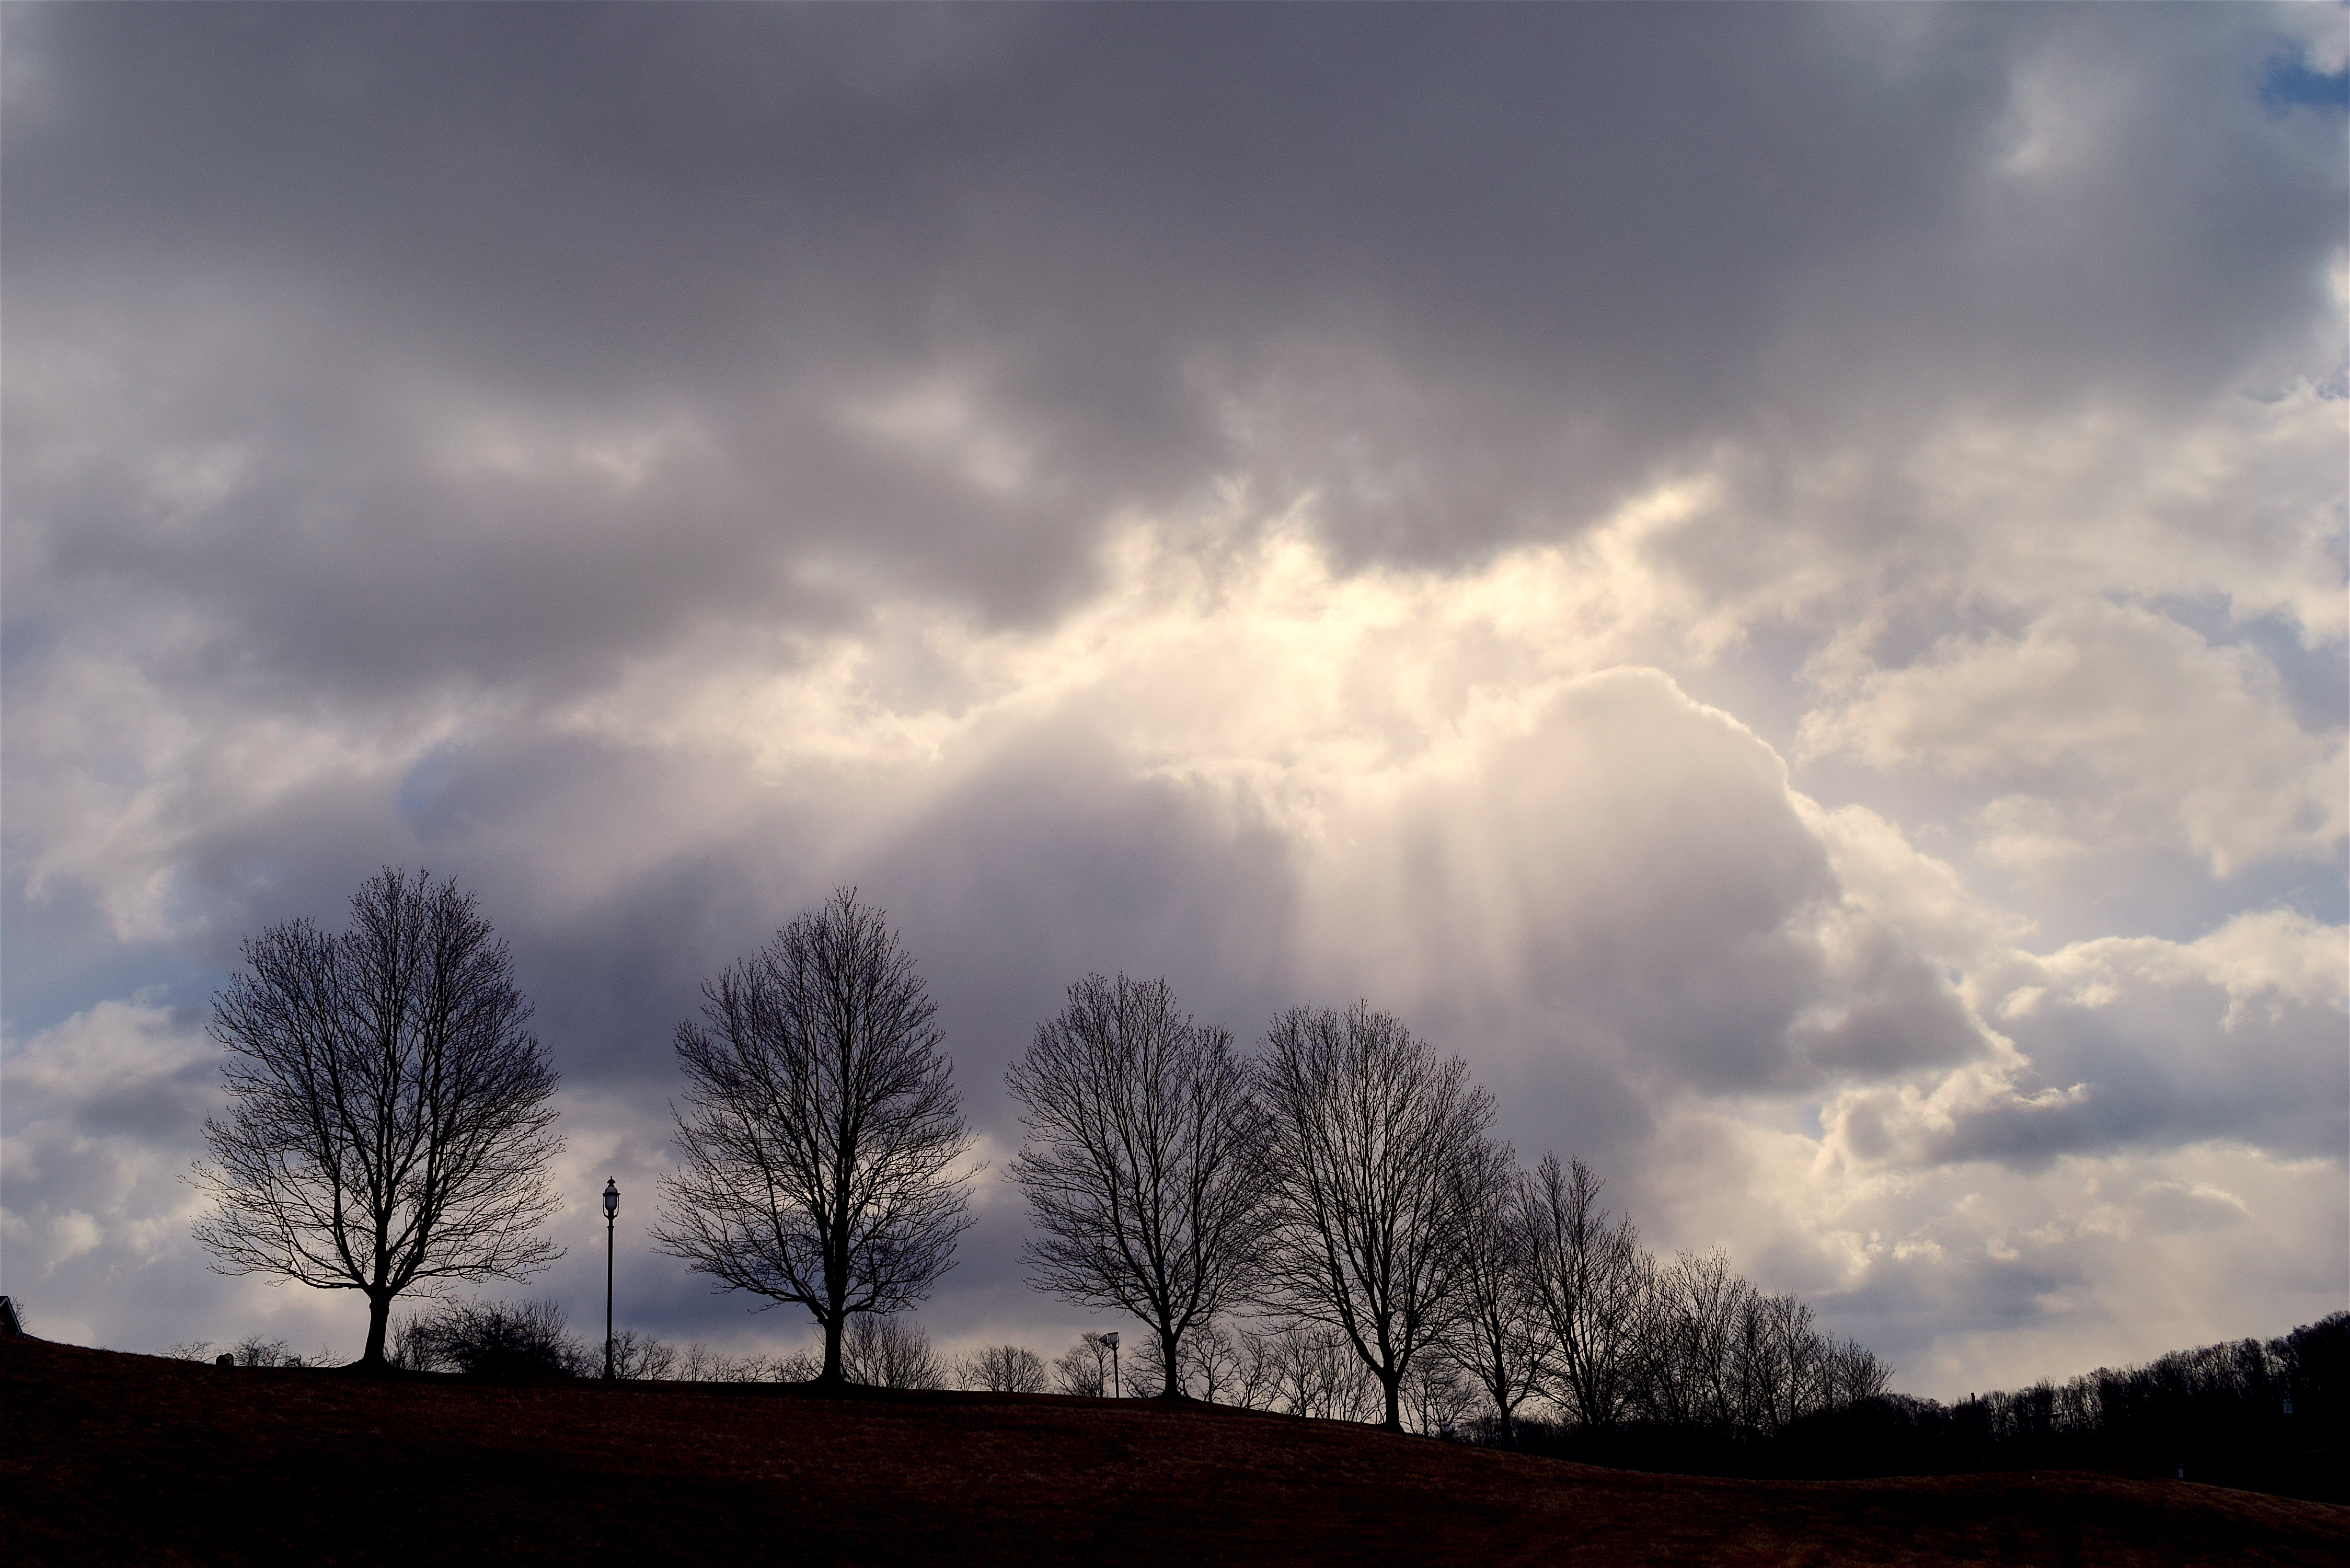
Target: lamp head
(611,1198)
(1110,1339)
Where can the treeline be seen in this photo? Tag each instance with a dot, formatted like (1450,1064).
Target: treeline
(2269,1416)
(1326,1225)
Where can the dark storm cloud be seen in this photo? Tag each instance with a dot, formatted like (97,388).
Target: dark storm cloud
(1469,272)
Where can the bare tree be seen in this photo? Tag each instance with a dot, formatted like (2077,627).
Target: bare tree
(890,1353)
(1311,1369)
(792,1366)
(822,1128)
(1688,1328)
(1083,1369)
(1851,1372)
(700,1364)
(1141,1162)
(1005,1369)
(1784,1369)
(390,1115)
(1588,1274)
(1375,1145)
(1498,1339)
(1257,1372)
(1776,1362)
(641,1358)
(1208,1364)
(1438,1400)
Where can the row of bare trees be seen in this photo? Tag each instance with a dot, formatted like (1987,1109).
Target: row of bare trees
(1329,1181)
(1345,1187)
(1328,1226)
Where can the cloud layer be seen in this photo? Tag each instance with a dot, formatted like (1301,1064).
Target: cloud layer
(1773,576)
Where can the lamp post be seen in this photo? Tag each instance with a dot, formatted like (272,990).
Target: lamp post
(611,1213)
(1110,1339)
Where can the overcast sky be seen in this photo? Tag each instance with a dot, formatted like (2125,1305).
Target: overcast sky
(1772,577)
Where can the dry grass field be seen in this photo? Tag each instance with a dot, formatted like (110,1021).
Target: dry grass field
(111,1458)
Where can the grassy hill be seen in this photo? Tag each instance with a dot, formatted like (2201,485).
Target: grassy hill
(128,1459)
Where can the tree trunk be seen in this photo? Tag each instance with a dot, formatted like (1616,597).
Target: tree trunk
(379,1321)
(832,1375)
(1393,1387)
(1174,1389)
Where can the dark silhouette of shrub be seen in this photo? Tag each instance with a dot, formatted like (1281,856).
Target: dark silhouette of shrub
(497,1340)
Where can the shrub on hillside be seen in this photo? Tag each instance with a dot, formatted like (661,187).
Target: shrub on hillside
(251,1351)
(504,1341)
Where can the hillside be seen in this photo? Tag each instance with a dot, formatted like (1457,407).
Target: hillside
(116,1458)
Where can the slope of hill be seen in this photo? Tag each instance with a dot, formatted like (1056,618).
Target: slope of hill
(116,1458)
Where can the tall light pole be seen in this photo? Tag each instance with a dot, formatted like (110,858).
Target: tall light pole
(1110,1339)
(611,1213)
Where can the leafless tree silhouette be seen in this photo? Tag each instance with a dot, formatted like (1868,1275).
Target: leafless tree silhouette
(1438,1400)
(1311,1369)
(1374,1143)
(641,1358)
(1588,1274)
(1690,1310)
(1210,1363)
(1497,1340)
(1083,1369)
(390,1115)
(1257,1370)
(1005,1369)
(700,1363)
(1853,1372)
(822,1129)
(1142,1161)
(889,1352)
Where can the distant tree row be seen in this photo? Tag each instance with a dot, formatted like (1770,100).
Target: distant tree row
(1328,1227)
(2270,1415)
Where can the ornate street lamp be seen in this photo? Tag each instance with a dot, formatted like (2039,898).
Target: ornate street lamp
(611,1213)
(1110,1339)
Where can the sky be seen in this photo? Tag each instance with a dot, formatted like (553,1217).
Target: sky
(1773,576)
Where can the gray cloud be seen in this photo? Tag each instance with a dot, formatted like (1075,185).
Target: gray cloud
(1466,279)
(2163,1070)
